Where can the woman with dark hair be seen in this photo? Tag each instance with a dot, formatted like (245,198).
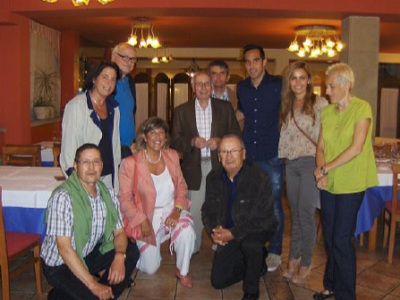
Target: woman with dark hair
(345,169)
(153,201)
(300,125)
(93,117)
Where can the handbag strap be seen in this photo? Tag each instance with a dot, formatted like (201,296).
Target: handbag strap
(304,133)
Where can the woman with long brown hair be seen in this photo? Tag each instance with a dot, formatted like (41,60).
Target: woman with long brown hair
(300,125)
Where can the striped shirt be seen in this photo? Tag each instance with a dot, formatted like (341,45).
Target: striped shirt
(203,123)
(60,222)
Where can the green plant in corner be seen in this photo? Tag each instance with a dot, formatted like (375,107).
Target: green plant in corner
(45,83)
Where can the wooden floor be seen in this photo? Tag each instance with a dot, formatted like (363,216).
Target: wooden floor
(376,279)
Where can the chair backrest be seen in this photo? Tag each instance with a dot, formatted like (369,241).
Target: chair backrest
(396,186)
(56,153)
(3,246)
(22,155)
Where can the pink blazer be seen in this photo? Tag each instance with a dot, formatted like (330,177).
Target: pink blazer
(137,193)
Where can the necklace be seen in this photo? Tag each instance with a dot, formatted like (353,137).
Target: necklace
(150,160)
(94,99)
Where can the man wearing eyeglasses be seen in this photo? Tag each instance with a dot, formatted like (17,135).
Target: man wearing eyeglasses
(124,55)
(238,214)
(197,127)
(85,253)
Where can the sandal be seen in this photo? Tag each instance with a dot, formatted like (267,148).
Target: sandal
(186,280)
(325,294)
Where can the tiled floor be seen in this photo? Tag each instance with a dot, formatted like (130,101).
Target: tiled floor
(376,279)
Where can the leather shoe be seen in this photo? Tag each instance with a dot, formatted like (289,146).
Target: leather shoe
(264,267)
(251,296)
(325,294)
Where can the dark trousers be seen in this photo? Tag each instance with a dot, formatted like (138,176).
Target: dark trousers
(339,219)
(68,286)
(238,261)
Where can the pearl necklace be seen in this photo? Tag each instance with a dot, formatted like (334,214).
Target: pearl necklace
(150,160)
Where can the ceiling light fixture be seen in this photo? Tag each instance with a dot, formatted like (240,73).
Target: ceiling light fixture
(162,59)
(80,2)
(192,69)
(141,24)
(318,40)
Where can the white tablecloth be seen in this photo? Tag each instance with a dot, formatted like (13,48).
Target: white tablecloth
(28,187)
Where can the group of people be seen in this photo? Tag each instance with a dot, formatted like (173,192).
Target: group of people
(116,208)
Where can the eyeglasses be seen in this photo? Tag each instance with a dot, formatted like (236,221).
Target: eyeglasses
(126,58)
(231,152)
(203,84)
(87,162)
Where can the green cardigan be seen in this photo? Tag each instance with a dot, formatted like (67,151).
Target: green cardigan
(83,214)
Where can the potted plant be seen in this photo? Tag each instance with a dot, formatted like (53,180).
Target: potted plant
(45,83)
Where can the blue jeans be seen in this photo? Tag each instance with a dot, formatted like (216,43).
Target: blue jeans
(274,169)
(339,219)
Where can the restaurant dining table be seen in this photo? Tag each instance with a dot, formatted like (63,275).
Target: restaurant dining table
(373,204)
(25,193)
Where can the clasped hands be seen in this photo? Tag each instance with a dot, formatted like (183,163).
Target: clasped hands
(201,143)
(221,236)
(320,179)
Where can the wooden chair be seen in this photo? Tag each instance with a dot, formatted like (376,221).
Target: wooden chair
(22,155)
(56,153)
(392,214)
(17,248)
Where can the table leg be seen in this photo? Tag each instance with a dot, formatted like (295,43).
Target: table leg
(372,236)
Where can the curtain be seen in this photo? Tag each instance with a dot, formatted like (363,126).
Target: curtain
(388,115)
(181,91)
(45,56)
(162,93)
(142,103)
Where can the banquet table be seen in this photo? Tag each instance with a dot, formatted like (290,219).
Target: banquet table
(25,193)
(373,204)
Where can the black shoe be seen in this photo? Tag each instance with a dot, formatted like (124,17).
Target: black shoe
(264,267)
(325,294)
(251,296)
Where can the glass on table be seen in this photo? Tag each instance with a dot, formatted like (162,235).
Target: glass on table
(383,152)
(396,153)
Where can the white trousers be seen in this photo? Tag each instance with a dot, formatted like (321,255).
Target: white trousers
(150,257)
(197,199)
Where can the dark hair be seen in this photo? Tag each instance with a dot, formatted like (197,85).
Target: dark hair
(219,63)
(84,147)
(149,125)
(232,136)
(254,47)
(96,71)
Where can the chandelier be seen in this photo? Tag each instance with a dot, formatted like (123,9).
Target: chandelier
(164,58)
(318,40)
(81,2)
(192,69)
(140,26)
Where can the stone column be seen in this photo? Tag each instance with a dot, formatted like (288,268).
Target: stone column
(361,52)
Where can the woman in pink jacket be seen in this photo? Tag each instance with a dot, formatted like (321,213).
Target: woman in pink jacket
(153,201)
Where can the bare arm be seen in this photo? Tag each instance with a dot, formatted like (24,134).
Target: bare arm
(359,137)
(76,266)
(117,268)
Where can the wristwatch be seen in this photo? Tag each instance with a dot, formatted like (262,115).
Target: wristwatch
(121,252)
(323,171)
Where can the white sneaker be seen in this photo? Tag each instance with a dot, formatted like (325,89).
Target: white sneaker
(273,262)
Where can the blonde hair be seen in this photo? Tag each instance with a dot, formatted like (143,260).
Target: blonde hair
(343,72)
(288,96)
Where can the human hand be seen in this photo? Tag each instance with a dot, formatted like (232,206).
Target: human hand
(221,236)
(146,229)
(103,292)
(212,143)
(173,219)
(199,142)
(117,269)
(322,182)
